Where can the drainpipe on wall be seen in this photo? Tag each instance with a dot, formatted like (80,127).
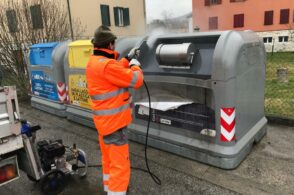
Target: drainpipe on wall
(144,5)
(273,46)
(70,21)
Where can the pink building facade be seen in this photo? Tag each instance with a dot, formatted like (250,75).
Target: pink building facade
(272,19)
(257,15)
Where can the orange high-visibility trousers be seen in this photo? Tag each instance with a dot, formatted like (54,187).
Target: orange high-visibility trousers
(115,167)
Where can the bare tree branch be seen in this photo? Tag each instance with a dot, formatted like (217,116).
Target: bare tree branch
(14,45)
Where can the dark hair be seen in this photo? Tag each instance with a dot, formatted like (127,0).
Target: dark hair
(104,46)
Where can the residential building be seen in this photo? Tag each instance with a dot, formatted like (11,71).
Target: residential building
(272,19)
(125,18)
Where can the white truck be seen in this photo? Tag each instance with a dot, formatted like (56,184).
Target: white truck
(10,135)
(16,150)
(47,160)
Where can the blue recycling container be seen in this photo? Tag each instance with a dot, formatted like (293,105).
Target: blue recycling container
(41,54)
(46,69)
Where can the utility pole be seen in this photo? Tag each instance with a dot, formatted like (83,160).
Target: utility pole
(70,21)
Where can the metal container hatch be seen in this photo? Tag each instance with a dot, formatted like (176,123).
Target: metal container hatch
(171,55)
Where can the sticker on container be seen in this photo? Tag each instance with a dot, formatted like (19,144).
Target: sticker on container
(143,110)
(78,92)
(43,85)
(165,121)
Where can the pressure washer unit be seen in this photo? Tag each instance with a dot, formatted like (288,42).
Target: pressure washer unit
(49,161)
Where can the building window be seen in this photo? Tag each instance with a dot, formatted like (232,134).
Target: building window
(105,16)
(121,16)
(267,39)
(213,23)
(12,21)
(283,39)
(284,16)
(238,20)
(212,2)
(36,16)
(268,17)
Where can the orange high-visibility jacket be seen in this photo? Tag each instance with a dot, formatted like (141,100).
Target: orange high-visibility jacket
(108,81)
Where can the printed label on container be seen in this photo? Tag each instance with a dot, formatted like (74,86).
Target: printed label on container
(43,85)
(165,121)
(78,92)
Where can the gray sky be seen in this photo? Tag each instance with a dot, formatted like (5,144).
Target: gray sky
(155,8)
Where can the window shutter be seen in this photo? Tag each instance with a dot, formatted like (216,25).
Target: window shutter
(105,17)
(12,21)
(268,17)
(126,17)
(207,3)
(36,16)
(238,20)
(116,19)
(213,23)
(284,16)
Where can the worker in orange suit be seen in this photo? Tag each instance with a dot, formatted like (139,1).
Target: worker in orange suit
(108,80)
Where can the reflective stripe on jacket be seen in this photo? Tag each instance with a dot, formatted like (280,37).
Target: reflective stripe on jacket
(108,81)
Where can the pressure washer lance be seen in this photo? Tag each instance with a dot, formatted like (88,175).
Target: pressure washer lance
(153,176)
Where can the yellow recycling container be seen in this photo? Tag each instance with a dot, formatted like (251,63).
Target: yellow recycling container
(79,52)
(79,108)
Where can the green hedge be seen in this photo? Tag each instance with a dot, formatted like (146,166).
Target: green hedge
(279,97)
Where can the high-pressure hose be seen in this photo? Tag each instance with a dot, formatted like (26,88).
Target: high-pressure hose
(154,177)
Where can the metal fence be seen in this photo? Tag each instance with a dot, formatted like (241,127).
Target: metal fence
(279,92)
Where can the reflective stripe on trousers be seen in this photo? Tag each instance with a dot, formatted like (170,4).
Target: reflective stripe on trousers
(105,182)
(116,193)
(115,161)
(105,188)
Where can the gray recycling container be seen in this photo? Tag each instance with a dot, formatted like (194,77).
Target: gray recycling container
(207,93)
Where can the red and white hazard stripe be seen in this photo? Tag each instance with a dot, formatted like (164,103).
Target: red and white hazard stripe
(61,89)
(228,123)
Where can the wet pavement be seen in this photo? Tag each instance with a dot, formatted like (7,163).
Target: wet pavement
(268,169)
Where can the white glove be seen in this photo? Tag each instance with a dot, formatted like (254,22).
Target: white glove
(134,53)
(134,62)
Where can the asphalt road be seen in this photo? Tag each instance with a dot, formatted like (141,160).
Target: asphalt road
(269,169)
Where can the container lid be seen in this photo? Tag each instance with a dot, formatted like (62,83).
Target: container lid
(42,45)
(80,43)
